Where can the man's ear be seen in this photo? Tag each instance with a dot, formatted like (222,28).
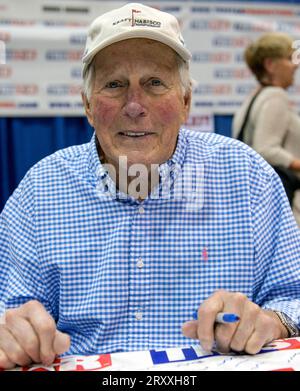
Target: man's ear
(187,104)
(87,109)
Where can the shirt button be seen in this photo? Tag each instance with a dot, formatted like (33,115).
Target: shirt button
(141,210)
(140,263)
(138,315)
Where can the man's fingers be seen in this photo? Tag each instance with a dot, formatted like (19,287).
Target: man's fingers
(189,329)
(223,336)
(24,334)
(5,363)
(255,328)
(13,353)
(61,342)
(265,331)
(245,328)
(30,334)
(206,319)
(258,338)
(44,327)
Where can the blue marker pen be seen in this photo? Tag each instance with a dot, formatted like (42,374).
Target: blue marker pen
(222,317)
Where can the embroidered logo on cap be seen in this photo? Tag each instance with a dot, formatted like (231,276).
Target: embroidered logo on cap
(132,16)
(135,21)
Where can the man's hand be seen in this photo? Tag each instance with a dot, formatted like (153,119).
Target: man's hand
(256,326)
(28,334)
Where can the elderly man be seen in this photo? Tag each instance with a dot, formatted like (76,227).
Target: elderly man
(113,245)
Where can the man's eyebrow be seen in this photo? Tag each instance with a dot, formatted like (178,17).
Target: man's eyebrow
(107,75)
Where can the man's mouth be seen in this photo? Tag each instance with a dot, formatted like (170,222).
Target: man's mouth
(135,134)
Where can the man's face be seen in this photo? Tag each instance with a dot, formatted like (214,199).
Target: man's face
(137,104)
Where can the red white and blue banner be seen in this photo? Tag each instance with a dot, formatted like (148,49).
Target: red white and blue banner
(42,41)
(279,355)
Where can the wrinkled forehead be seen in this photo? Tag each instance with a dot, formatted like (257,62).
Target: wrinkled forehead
(137,50)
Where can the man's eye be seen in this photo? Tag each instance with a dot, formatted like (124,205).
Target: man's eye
(113,84)
(156,82)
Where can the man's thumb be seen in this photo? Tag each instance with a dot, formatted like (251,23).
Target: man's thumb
(61,342)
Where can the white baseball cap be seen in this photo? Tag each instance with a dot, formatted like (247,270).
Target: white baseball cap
(133,20)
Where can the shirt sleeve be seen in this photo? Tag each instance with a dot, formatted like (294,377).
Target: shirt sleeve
(21,278)
(277,251)
(271,127)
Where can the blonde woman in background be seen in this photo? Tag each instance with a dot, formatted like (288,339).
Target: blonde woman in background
(270,125)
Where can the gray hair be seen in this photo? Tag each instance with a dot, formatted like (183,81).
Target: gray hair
(183,69)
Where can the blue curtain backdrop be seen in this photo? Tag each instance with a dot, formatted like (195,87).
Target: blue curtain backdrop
(24,141)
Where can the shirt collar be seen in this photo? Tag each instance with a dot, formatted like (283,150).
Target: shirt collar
(168,170)
(94,164)
(176,160)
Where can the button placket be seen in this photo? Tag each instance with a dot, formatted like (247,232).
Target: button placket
(139,300)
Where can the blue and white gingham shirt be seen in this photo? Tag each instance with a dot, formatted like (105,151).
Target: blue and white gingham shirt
(122,275)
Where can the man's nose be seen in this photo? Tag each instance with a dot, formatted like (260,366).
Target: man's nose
(134,109)
(134,106)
